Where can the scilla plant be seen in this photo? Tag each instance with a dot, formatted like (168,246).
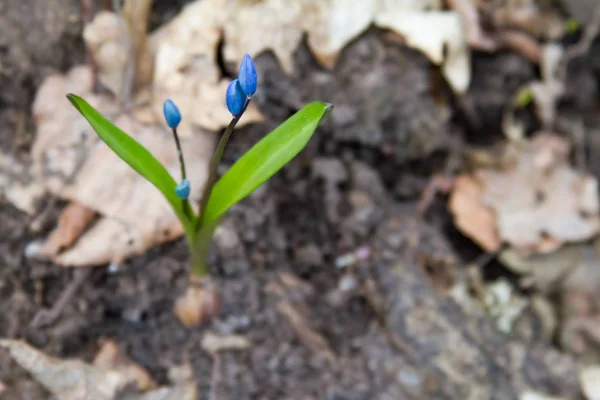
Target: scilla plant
(250,171)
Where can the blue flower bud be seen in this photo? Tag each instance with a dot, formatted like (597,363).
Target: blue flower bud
(235,97)
(183,189)
(172,114)
(247,75)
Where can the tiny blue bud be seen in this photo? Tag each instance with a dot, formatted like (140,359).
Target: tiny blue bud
(183,189)
(247,75)
(172,114)
(235,97)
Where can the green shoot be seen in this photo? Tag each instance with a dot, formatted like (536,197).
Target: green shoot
(256,166)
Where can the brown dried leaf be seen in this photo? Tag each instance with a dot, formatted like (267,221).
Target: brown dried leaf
(72,222)
(440,35)
(66,379)
(329,25)
(471,216)
(541,196)
(110,373)
(72,163)
(539,201)
(109,357)
(186,391)
(186,69)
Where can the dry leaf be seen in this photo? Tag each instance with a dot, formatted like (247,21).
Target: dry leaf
(186,391)
(471,216)
(73,163)
(256,26)
(179,61)
(72,222)
(69,379)
(17,185)
(590,382)
(539,201)
(186,69)
(441,35)
(109,357)
(111,373)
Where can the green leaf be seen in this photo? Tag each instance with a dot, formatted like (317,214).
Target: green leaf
(264,159)
(138,157)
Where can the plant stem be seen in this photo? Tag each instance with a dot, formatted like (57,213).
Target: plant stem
(214,164)
(199,244)
(179,154)
(198,259)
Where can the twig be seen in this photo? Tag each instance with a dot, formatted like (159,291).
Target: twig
(46,317)
(215,376)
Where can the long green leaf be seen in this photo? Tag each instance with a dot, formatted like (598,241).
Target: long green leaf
(138,157)
(264,159)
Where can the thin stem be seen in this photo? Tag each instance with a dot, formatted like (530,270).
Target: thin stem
(184,202)
(214,164)
(179,154)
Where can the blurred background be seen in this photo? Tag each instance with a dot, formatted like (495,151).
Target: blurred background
(437,238)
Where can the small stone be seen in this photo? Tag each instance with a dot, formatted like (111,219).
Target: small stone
(330,169)
(309,255)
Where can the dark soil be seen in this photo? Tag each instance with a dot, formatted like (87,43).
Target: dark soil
(392,336)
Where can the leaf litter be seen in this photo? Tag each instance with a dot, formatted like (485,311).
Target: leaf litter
(73,164)
(62,164)
(111,374)
(178,61)
(533,202)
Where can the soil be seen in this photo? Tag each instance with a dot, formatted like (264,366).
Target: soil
(381,328)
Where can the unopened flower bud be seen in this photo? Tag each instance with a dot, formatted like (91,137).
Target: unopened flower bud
(247,76)
(235,97)
(172,114)
(183,189)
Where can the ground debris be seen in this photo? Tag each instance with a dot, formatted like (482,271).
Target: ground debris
(17,185)
(291,293)
(535,202)
(330,25)
(110,374)
(214,343)
(458,351)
